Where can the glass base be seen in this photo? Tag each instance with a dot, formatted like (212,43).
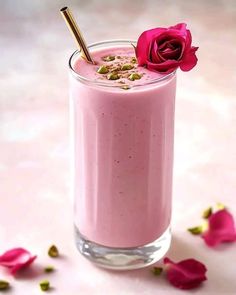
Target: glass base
(123,258)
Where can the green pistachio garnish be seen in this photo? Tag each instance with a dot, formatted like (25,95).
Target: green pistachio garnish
(113,76)
(53,251)
(134,76)
(102,70)
(109,58)
(197,230)
(207,213)
(157,270)
(126,67)
(134,60)
(4,285)
(49,268)
(44,285)
(220,206)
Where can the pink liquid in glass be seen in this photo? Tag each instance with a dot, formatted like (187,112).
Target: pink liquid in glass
(123,149)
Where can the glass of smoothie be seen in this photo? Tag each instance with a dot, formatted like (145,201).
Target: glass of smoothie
(122,119)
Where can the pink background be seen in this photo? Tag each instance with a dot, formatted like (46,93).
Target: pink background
(36,209)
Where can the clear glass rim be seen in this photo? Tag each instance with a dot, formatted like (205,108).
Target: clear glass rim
(110,85)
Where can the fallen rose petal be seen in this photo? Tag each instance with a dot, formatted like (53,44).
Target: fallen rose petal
(16,259)
(186,274)
(221,228)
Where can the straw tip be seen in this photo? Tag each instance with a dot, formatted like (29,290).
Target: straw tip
(63,8)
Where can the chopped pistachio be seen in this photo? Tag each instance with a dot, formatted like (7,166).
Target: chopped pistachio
(197,230)
(102,70)
(49,268)
(53,251)
(4,285)
(125,87)
(115,70)
(126,67)
(157,270)
(44,285)
(113,76)
(220,206)
(207,213)
(134,60)
(109,58)
(134,76)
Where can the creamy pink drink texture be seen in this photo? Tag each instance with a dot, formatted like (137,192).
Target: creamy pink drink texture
(123,153)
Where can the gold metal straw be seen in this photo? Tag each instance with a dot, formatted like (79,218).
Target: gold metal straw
(71,23)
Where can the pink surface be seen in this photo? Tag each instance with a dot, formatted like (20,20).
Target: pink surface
(123,158)
(36,210)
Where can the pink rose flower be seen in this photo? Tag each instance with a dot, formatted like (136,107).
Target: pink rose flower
(16,259)
(165,49)
(186,274)
(221,228)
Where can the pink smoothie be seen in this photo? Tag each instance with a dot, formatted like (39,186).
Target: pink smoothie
(123,150)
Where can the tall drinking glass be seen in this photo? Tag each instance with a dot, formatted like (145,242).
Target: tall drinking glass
(122,166)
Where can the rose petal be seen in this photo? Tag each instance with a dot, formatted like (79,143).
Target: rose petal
(165,67)
(190,60)
(171,49)
(154,54)
(180,27)
(177,42)
(186,274)
(188,40)
(16,259)
(144,43)
(221,228)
